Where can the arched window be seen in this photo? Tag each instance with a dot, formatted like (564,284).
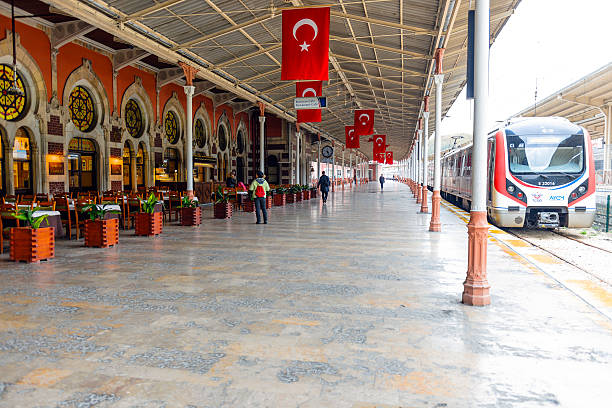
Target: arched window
(240,142)
(133,119)
(222,138)
(140,167)
(127,167)
(82,109)
(12,105)
(22,163)
(82,164)
(199,134)
(171,127)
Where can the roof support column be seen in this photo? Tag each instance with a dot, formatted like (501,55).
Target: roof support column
(190,73)
(424,208)
(420,164)
(262,134)
(476,287)
(298,135)
(333,166)
(435,225)
(608,146)
(350,167)
(319,158)
(343,169)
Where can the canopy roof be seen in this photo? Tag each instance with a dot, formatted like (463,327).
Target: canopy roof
(381,52)
(582,102)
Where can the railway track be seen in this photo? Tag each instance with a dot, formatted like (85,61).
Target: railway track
(548,241)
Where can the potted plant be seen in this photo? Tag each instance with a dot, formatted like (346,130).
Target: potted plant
(191,213)
(148,222)
(296,191)
(100,232)
(305,192)
(269,200)
(248,205)
(313,192)
(280,198)
(292,194)
(223,207)
(32,243)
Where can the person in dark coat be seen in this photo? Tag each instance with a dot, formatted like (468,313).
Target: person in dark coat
(382,181)
(231,181)
(323,185)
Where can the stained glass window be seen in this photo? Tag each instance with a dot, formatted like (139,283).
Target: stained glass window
(82,111)
(240,142)
(12,107)
(171,127)
(199,137)
(133,119)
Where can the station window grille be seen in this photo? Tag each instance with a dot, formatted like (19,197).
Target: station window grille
(12,107)
(82,110)
(133,119)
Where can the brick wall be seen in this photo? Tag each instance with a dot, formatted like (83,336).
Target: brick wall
(115,134)
(158,140)
(56,187)
(54,127)
(159,161)
(55,148)
(116,185)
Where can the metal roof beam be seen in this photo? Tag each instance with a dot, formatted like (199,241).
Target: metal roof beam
(124,58)
(376,64)
(247,56)
(63,33)
(225,31)
(169,75)
(411,54)
(150,10)
(416,30)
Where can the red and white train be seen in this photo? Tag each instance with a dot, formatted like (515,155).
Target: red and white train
(541,173)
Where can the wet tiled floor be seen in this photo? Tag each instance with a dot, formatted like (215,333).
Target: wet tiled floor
(353,304)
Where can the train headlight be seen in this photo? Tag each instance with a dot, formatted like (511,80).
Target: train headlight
(511,189)
(581,189)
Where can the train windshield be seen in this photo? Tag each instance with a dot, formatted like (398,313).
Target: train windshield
(546,154)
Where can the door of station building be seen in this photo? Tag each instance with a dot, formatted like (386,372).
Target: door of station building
(82,165)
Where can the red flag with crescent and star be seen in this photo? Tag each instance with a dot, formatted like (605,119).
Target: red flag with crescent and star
(389,157)
(380,157)
(380,143)
(305,44)
(364,122)
(352,140)
(304,89)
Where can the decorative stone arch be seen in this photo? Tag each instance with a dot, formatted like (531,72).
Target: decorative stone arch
(224,122)
(28,68)
(173,104)
(100,134)
(202,113)
(85,76)
(137,92)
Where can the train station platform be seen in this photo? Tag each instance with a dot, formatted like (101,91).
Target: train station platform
(352,304)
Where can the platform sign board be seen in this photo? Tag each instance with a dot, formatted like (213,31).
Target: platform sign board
(314,102)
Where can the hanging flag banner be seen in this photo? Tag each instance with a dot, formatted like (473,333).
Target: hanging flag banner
(308,89)
(389,157)
(380,143)
(380,157)
(364,122)
(305,44)
(352,140)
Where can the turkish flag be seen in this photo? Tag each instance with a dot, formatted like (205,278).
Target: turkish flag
(305,44)
(389,157)
(380,143)
(364,122)
(380,157)
(352,140)
(304,89)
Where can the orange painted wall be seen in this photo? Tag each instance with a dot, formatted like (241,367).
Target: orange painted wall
(126,78)
(166,93)
(36,43)
(197,100)
(71,56)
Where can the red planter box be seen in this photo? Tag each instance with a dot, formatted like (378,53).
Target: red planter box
(223,210)
(148,224)
(280,200)
(313,193)
(291,198)
(268,202)
(191,217)
(248,206)
(101,233)
(299,196)
(32,245)
(306,194)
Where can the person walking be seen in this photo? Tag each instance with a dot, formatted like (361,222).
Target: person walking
(323,185)
(382,182)
(259,190)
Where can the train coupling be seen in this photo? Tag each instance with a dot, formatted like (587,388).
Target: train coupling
(548,219)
